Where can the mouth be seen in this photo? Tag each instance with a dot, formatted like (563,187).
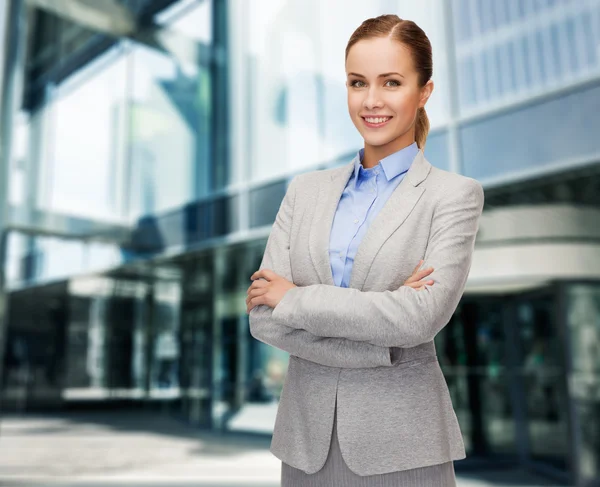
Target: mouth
(376,122)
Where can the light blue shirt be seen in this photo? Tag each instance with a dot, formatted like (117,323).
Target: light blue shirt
(365,194)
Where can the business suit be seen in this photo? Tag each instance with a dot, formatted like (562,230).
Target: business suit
(366,352)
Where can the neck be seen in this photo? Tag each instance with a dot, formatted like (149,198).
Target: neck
(375,153)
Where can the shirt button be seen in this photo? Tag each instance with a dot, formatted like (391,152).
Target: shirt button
(356,220)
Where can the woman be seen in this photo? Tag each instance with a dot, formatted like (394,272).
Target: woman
(364,401)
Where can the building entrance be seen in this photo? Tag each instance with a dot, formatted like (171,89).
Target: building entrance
(504,361)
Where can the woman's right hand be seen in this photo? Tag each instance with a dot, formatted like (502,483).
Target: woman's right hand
(414,280)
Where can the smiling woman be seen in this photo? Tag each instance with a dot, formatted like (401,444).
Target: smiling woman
(382,102)
(365,402)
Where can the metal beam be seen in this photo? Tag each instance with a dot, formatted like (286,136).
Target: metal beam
(43,223)
(108,16)
(113,18)
(15,32)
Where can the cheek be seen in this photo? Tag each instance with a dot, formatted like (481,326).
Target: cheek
(401,103)
(353,105)
(409,102)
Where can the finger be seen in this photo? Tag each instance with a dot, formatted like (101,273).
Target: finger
(427,270)
(258,292)
(249,298)
(419,285)
(258,285)
(262,299)
(267,274)
(418,265)
(421,274)
(253,303)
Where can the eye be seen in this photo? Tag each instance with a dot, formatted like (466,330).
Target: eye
(353,82)
(393,81)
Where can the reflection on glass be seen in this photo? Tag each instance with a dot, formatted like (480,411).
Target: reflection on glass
(197,339)
(164,376)
(34,355)
(542,370)
(169,140)
(86,123)
(533,137)
(471,349)
(190,18)
(543,55)
(583,318)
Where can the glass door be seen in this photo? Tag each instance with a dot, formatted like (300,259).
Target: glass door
(540,355)
(472,353)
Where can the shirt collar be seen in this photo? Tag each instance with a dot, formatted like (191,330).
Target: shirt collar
(397,163)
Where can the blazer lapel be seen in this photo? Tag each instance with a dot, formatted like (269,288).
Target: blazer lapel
(394,212)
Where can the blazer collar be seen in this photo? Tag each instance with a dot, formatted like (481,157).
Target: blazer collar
(393,213)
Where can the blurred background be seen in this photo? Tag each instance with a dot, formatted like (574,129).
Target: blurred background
(145,147)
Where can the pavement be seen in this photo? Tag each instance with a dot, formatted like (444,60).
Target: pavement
(151,449)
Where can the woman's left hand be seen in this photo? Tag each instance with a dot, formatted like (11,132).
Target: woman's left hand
(269,291)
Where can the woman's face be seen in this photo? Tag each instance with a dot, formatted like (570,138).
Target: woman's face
(382,82)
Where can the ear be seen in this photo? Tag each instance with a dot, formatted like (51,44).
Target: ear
(426,93)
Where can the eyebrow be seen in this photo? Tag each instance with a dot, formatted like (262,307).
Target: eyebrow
(380,76)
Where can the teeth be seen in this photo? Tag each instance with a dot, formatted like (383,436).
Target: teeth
(377,120)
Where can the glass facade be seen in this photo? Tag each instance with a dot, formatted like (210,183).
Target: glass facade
(533,138)
(510,49)
(583,311)
(126,136)
(146,169)
(506,367)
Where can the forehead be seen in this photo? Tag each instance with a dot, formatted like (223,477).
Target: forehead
(371,57)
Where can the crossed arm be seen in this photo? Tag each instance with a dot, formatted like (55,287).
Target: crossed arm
(264,326)
(345,327)
(403,317)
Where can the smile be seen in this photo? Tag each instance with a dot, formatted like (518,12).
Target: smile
(376,122)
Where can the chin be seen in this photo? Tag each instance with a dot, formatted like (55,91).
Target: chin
(375,142)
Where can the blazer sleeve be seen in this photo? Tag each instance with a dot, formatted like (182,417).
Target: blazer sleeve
(403,317)
(333,352)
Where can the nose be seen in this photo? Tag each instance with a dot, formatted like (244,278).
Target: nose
(372,100)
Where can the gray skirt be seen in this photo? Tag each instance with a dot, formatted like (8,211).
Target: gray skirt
(335,473)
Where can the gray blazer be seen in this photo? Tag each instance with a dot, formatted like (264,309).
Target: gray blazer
(370,346)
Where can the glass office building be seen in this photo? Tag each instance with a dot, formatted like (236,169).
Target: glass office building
(146,146)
